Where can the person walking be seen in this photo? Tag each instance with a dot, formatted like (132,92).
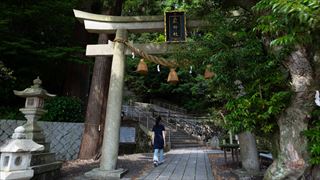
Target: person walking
(158,141)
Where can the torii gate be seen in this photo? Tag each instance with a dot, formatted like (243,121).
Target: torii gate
(120,25)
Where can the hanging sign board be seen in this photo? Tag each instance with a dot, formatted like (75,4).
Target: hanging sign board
(175,26)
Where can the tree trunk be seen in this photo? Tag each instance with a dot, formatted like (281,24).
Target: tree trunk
(248,152)
(292,159)
(315,175)
(90,138)
(315,171)
(103,114)
(96,108)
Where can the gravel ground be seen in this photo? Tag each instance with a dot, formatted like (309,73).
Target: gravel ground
(227,171)
(136,164)
(220,169)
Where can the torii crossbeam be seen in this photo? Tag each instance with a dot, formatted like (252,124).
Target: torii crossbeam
(120,25)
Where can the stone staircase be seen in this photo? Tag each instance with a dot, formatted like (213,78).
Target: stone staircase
(176,136)
(180,139)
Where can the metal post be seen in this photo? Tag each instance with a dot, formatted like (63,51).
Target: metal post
(147,122)
(139,116)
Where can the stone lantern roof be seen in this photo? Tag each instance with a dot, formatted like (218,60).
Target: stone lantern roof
(19,143)
(34,91)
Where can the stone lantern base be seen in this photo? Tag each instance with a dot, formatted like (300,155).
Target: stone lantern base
(45,166)
(16,175)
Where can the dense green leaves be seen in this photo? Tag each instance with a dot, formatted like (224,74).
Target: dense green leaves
(5,73)
(256,113)
(11,113)
(191,92)
(37,39)
(313,135)
(289,22)
(236,53)
(64,109)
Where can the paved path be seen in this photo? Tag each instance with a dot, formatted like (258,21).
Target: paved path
(183,164)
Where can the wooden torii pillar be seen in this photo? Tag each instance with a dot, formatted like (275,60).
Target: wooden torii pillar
(120,25)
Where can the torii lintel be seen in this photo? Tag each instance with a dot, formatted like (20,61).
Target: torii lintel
(97,23)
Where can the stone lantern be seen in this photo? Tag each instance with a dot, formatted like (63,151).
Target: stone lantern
(33,109)
(16,156)
(43,163)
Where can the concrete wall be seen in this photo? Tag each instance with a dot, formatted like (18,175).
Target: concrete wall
(65,138)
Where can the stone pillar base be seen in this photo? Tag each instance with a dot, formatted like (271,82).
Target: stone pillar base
(102,174)
(21,175)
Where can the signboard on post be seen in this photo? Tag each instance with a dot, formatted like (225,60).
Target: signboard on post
(127,135)
(175,26)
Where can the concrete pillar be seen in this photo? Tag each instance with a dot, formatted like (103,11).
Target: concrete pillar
(110,143)
(230,137)
(111,134)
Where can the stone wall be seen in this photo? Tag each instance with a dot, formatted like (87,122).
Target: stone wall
(65,138)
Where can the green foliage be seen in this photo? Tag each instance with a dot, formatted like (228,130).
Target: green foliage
(255,113)
(145,7)
(64,109)
(191,92)
(37,39)
(157,7)
(10,113)
(235,52)
(289,22)
(313,134)
(143,141)
(5,73)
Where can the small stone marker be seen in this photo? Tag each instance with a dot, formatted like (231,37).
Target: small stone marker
(214,142)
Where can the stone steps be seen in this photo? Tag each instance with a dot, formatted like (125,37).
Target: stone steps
(177,146)
(180,139)
(179,136)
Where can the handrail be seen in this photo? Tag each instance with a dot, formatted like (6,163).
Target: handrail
(192,125)
(168,106)
(141,115)
(183,116)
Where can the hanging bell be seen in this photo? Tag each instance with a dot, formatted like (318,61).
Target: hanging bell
(208,73)
(173,77)
(142,67)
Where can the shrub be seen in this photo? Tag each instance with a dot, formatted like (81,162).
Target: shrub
(313,134)
(10,113)
(64,109)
